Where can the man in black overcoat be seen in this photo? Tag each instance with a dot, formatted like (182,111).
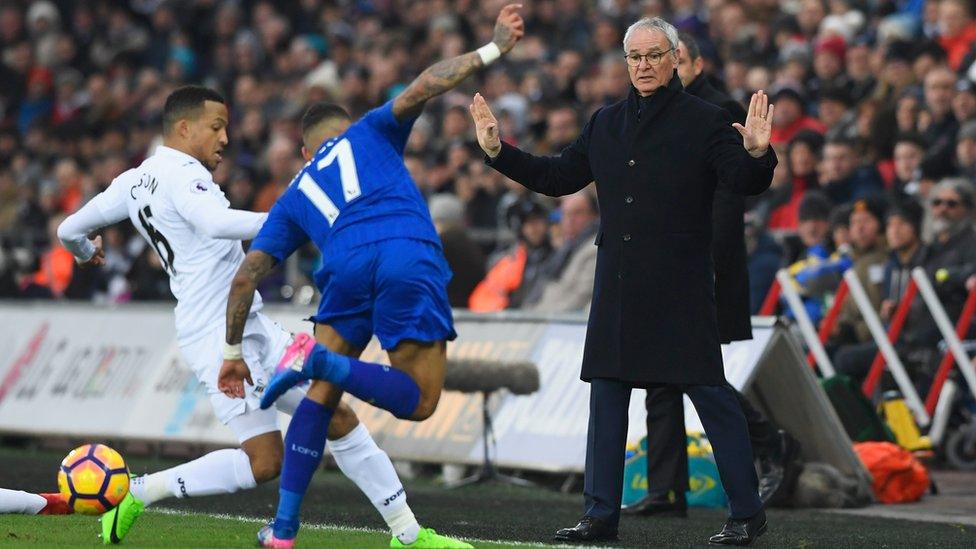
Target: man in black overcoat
(667,454)
(656,158)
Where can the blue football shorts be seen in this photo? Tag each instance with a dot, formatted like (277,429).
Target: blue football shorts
(395,289)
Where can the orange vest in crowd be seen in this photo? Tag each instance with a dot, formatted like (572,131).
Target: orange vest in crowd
(54,273)
(491,294)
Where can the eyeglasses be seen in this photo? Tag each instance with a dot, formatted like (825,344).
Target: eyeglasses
(653,59)
(948,203)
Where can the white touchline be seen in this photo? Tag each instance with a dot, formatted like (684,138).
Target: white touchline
(343,528)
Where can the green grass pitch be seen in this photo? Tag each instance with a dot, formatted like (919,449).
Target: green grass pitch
(506,515)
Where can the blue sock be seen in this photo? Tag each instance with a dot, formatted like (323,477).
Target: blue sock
(379,385)
(304,446)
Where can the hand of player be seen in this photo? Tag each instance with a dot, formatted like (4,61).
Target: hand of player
(509,28)
(485,126)
(98,258)
(232,376)
(759,125)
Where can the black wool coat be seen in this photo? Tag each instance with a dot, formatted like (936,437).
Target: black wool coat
(652,319)
(728,236)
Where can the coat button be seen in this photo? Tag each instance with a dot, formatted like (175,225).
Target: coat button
(631,163)
(629,199)
(627,238)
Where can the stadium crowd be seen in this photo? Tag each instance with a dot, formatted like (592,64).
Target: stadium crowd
(875,127)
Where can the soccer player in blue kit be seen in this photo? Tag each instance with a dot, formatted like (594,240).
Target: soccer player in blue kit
(383,274)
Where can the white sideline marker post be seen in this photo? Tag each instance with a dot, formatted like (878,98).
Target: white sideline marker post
(805,324)
(945,326)
(887,350)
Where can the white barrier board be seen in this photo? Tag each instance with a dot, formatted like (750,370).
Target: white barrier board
(90,372)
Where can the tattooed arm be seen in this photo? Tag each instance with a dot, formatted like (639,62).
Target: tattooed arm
(234,372)
(445,75)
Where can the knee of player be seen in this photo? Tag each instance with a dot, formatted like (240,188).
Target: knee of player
(266,467)
(344,420)
(426,407)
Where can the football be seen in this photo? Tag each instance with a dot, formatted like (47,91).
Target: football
(94,478)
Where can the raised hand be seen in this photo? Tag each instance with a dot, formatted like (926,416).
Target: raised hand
(485,126)
(231,378)
(97,258)
(509,28)
(759,125)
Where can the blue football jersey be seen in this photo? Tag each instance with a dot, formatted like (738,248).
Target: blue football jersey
(355,190)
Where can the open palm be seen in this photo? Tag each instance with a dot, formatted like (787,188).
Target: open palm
(759,125)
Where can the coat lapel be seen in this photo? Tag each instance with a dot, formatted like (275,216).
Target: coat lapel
(652,107)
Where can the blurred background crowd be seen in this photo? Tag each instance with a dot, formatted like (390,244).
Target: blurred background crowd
(875,128)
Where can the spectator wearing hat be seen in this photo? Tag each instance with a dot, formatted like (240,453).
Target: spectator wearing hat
(828,66)
(965,160)
(814,267)
(791,116)
(508,278)
(869,254)
(463,254)
(958,30)
(844,181)
(903,233)
(897,75)
(813,229)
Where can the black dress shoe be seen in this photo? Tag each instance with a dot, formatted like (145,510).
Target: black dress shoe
(588,529)
(741,532)
(668,504)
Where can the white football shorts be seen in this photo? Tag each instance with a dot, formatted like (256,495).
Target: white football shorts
(263,345)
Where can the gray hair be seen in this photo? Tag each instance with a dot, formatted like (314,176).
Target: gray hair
(959,185)
(651,24)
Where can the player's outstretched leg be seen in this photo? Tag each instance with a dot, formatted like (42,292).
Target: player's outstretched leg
(359,458)
(384,387)
(17,502)
(219,472)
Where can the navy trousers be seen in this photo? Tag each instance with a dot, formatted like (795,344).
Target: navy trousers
(606,441)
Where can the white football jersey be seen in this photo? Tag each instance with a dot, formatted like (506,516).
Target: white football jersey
(172,200)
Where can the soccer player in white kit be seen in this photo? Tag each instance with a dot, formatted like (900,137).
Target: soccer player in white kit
(175,205)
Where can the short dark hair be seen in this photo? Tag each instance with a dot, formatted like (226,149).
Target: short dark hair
(694,52)
(186,99)
(320,112)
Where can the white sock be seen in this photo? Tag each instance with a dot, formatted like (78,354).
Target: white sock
(220,472)
(360,459)
(16,502)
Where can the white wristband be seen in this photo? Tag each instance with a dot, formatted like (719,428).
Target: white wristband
(233,352)
(489,53)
